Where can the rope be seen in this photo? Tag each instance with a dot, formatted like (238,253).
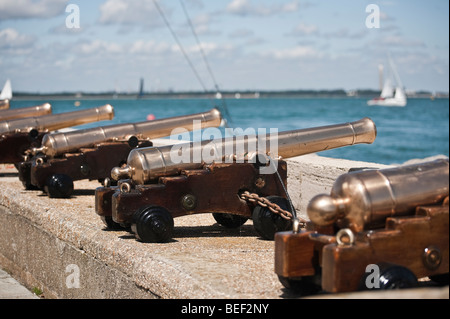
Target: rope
(179,44)
(224,108)
(205,60)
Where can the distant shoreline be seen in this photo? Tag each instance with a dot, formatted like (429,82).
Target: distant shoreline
(214,95)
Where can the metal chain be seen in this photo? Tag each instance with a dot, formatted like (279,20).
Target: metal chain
(264,202)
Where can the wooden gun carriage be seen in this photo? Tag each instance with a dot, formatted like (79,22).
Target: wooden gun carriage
(155,186)
(92,153)
(20,134)
(379,229)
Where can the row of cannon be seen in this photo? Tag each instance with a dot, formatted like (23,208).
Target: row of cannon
(396,218)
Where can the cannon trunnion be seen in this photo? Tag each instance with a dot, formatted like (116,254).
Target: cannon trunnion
(345,248)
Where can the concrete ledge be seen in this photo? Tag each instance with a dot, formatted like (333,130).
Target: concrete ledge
(11,289)
(61,246)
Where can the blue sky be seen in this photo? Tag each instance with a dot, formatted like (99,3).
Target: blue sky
(249,44)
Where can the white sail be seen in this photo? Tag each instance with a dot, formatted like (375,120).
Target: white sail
(6,93)
(400,96)
(388,97)
(388,90)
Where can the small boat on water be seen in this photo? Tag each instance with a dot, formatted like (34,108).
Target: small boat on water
(5,95)
(389,96)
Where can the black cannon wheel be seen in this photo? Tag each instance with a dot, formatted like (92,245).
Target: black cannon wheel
(59,186)
(267,223)
(152,224)
(397,277)
(304,286)
(111,224)
(24,169)
(392,277)
(229,220)
(441,279)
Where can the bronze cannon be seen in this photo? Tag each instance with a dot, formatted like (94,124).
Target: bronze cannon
(19,135)
(378,229)
(225,177)
(22,112)
(92,153)
(4,104)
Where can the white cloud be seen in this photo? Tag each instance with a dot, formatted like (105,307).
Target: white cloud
(305,29)
(242,33)
(202,24)
(12,39)
(296,50)
(245,8)
(138,13)
(241,7)
(23,9)
(98,46)
(149,47)
(163,49)
(202,19)
(400,41)
(290,7)
(345,33)
(294,53)
(62,29)
(207,47)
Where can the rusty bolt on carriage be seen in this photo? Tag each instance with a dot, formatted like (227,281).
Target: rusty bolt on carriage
(391,221)
(91,153)
(239,181)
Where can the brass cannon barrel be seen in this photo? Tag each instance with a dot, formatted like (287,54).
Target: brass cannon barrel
(147,164)
(38,110)
(4,104)
(361,200)
(53,122)
(60,143)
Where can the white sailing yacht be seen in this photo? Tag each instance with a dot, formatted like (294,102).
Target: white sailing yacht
(5,95)
(389,96)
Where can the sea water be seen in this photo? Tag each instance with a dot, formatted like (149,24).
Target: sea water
(419,130)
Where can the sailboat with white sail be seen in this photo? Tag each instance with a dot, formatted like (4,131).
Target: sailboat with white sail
(5,95)
(389,96)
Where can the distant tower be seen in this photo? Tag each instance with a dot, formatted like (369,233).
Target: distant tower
(141,88)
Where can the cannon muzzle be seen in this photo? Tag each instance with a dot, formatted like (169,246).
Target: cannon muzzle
(38,110)
(53,122)
(363,200)
(4,104)
(59,143)
(148,164)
